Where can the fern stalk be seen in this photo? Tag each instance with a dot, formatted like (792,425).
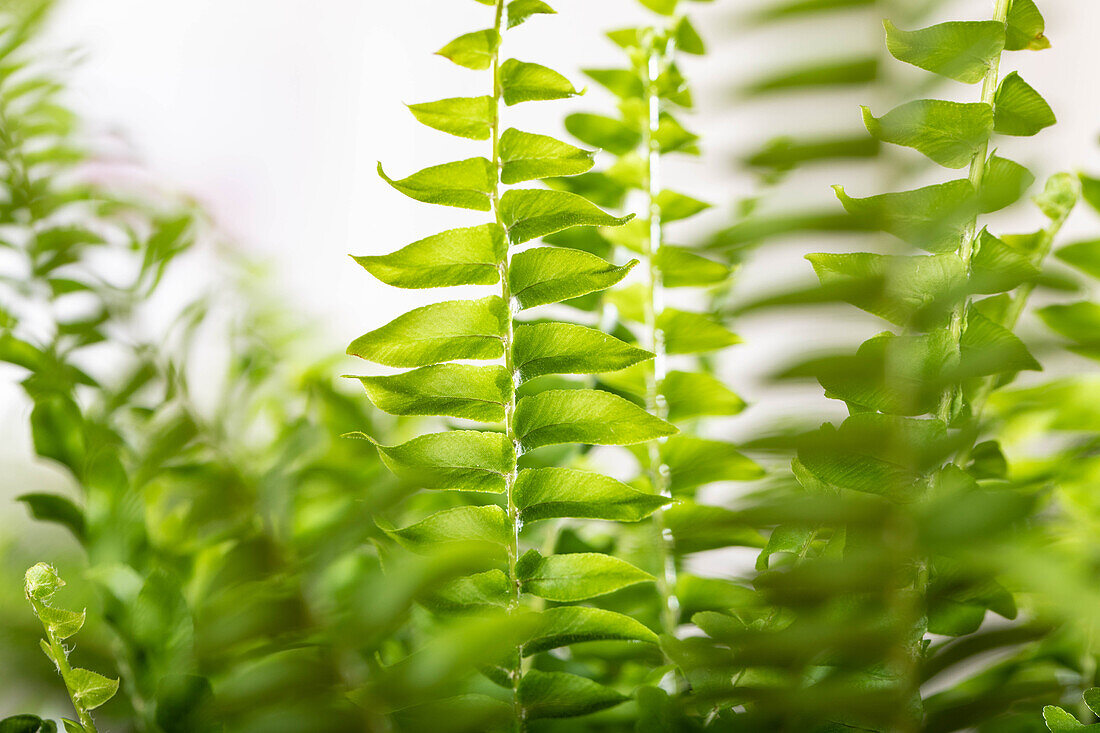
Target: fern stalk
(87,690)
(653,304)
(60,656)
(503,266)
(517,409)
(1012,316)
(976,177)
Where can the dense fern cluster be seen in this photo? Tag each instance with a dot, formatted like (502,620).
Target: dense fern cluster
(545,525)
(914,437)
(200,540)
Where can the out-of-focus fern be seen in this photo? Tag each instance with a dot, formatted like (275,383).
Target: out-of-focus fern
(861,565)
(653,97)
(214,570)
(1050,434)
(1059,721)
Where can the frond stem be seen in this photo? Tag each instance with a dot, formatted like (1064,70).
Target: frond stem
(970,236)
(60,657)
(516,671)
(654,337)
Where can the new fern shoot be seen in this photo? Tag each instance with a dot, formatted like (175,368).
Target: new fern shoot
(87,690)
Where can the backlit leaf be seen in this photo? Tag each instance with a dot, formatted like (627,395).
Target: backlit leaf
(1085,256)
(520,10)
(548,493)
(526,157)
(532,213)
(693,333)
(552,274)
(465,184)
(470,117)
(1020,110)
(787,539)
(475,524)
(623,83)
(989,348)
(576,576)
(688,39)
(694,461)
(1079,322)
(932,218)
(490,588)
(897,288)
(461,460)
(526,82)
(1025,27)
(675,206)
(62,623)
(467,256)
(664,7)
(472,50)
(565,348)
(456,390)
(456,329)
(1005,182)
(584,416)
(681,267)
(694,394)
(1060,195)
(1059,721)
(998,268)
(949,133)
(899,375)
(875,453)
(604,133)
(91,689)
(961,50)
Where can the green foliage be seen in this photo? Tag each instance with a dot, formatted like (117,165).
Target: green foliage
(470,117)
(457,257)
(565,348)
(925,563)
(524,414)
(198,553)
(549,493)
(653,98)
(947,132)
(1020,109)
(455,329)
(1059,721)
(916,398)
(961,50)
(87,690)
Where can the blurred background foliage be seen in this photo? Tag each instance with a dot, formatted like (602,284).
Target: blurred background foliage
(203,506)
